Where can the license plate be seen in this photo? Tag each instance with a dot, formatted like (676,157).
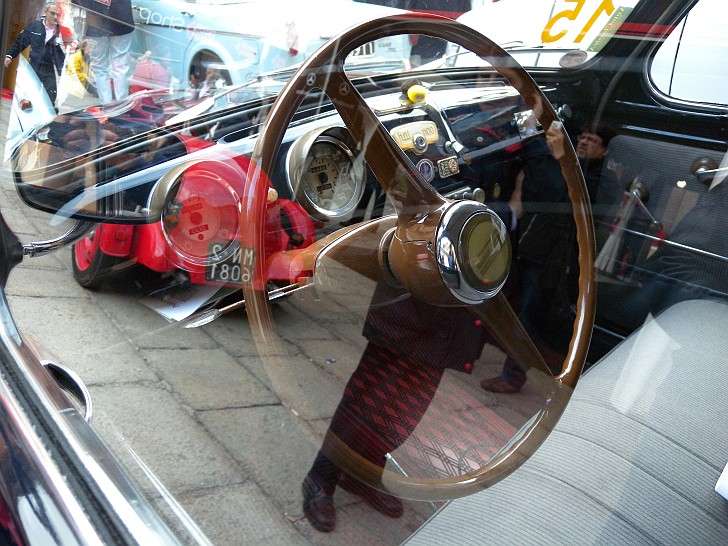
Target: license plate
(234,269)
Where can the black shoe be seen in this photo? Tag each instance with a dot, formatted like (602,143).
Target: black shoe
(381,502)
(318,506)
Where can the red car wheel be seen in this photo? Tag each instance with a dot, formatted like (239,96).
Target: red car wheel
(91,267)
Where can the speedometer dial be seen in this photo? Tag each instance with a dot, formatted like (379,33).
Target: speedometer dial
(326,178)
(328,182)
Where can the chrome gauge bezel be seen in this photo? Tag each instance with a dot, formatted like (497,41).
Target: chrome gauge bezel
(164,197)
(299,158)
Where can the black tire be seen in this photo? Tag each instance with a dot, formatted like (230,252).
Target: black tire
(201,66)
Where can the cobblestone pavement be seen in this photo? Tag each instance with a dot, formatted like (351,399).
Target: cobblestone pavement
(229,435)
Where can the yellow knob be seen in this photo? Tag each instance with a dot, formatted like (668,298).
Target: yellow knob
(272,195)
(417,93)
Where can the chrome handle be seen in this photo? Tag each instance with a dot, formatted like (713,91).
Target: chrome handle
(78,230)
(70,382)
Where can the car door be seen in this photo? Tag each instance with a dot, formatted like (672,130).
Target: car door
(664,169)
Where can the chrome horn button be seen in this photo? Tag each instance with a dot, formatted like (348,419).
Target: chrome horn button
(473,251)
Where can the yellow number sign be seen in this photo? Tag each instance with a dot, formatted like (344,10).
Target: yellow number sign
(561,19)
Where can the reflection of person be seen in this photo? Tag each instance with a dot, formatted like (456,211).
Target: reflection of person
(46,52)
(81,67)
(410,344)
(149,74)
(213,81)
(546,248)
(426,49)
(109,28)
(540,243)
(592,147)
(194,85)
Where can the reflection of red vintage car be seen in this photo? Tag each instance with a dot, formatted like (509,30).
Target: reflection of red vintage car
(182,243)
(198,232)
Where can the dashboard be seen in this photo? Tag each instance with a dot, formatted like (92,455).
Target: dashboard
(464,137)
(463,141)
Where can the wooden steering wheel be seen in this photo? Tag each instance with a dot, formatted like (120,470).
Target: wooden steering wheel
(428,251)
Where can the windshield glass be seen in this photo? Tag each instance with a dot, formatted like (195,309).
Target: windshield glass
(263,287)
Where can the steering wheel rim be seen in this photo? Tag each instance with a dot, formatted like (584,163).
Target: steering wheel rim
(413,200)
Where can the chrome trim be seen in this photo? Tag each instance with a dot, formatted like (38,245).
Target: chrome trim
(71,382)
(449,251)
(77,231)
(207,316)
(706,175)
(427,169)
(298,155)
(96,467)
(28,450)
(467,192)
(159,195)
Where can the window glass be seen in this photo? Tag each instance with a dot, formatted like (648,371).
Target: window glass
(691,64)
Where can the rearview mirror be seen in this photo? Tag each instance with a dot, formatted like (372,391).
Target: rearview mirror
(86,167)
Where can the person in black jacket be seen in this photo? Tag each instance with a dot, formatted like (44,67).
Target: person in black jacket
(46,51)
(109,29)
(605,192)
(546,247)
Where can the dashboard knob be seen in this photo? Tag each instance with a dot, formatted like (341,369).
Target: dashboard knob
(417,93)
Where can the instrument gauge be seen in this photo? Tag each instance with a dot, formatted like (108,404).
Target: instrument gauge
(326,177)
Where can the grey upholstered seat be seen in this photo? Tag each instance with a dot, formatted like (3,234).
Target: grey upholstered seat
(634,459)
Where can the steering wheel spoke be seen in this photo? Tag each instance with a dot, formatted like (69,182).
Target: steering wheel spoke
(502,323)
(360,248)
(396,174)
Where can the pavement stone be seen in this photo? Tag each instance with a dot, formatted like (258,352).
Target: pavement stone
(233,332)
(254,437)
(78,332)
(167,436)
(144,327)
(241,514)
(41,277)
(209,378)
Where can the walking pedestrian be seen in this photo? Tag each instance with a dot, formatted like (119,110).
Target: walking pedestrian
(45,40)
(110,24)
